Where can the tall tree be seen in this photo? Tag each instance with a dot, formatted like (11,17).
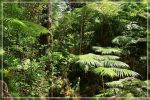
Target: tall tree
(45,39)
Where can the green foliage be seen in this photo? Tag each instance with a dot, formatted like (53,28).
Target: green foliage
(128,87)
(115,72)
(70,67)
(25,78)
(121,40)
(106,8)
(107,50)
(13,22)
(15,12)
(105,65)
(33,29)
(21,35)
(101,60)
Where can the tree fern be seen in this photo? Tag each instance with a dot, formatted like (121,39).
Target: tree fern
(114,63)
(129,86)
(100,60)
(121,82)
(114,72)
(115,84)
(105,8)
(12,21)
(136,41)
(89,59)
(121,40)
(24,26)
(107,50)
(109,92)
(23,33)
(105,71)
(125,72)
(105,65)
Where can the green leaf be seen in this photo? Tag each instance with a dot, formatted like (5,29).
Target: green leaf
(107,50)
(105,72)
(114,72)
(114,63)
(125,72)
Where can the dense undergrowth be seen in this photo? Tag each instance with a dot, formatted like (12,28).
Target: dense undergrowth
(95,49)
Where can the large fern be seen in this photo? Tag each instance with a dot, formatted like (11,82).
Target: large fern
(23,26)
(21,32)
(13,21)
(107,50)
(101,60)
(121,40)
(114,72)
(105,8)
(105,65)
(127,87)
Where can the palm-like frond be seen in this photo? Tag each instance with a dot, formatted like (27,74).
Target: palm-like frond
(23,32)
(107,57)
(105,71)
(89,59)
(15,22)
(147,84)
(105,8)
(114,63)
(99,60)
(115,84)
(114,72)
(125,72)
(24,26)
(121,40)
(136,41)
(130,85)
(119,92)
(36,29)
(110,92)
(129,81)
(105,65)
(107,50)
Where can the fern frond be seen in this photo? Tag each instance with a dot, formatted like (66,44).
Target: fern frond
(114,63)
(105,72)
(12,21)
(105,8)
(89,59)
(136,41)
(107,50)
(115,84)
(36,29)
(125,72)
(121,40)
(114,72)
(147,84)
(96,60)
(127,83)
(107,57)
(110,92)
(105,65)
(25,26)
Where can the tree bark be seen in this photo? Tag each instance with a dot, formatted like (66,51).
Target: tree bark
(49,14)
(82,30)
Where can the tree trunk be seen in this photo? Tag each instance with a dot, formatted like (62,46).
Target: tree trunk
(49,22)
(82,30)
(46,39)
